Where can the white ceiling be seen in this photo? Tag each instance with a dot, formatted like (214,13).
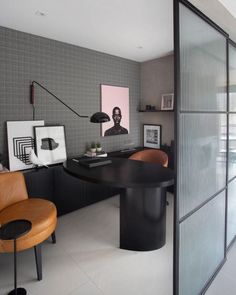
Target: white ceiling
(134,29)
(230,5)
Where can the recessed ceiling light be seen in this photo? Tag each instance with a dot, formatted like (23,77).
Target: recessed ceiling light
(40,13)
(139,47)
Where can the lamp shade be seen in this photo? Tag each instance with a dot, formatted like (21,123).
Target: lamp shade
(99,117)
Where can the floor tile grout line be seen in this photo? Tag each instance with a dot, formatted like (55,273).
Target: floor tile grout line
(87,275)
(77,289)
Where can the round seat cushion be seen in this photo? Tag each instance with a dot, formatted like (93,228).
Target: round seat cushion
(41,213)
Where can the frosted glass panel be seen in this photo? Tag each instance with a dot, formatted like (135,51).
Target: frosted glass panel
(202,159)
(232,146)
(201,245)
(232,78)
(202,64)
(231,222)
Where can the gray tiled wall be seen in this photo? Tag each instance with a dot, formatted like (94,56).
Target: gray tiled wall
(72,73)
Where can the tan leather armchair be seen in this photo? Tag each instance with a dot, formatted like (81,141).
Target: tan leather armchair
(15,204)
(151,156)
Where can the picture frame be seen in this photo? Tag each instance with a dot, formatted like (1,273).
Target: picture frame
(167,101)
(20,140)
(50,144)
(152,136)
(115,103)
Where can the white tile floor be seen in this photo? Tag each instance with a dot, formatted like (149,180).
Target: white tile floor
(87,260)
(225,282)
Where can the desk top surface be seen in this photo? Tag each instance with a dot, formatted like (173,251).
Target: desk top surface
(123,173)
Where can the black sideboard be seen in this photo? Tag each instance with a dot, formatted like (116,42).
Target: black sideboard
(65,191)
(69,193)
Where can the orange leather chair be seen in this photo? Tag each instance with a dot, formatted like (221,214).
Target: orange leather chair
(151,156)
(15,204)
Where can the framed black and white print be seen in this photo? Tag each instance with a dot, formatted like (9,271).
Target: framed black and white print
(50,144)
(20,139)
(152,136)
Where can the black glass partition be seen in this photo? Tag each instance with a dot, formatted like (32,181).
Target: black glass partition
(201,55)
(231,216)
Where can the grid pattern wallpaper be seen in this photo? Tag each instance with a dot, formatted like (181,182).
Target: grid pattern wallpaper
(72,73)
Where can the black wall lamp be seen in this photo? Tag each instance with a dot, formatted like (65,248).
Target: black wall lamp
(98,117)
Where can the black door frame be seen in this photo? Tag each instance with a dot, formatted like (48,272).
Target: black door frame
(233,44)
(176,121)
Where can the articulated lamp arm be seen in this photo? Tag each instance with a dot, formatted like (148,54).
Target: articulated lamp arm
(98,117)
(44,88)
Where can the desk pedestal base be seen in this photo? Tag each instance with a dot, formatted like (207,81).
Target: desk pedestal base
(142,219)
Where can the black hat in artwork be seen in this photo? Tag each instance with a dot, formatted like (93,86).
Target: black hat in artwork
(49,143)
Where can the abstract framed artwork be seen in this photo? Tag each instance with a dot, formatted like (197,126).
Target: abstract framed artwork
(152,136)
(115,102)
(50,144)
(20,139)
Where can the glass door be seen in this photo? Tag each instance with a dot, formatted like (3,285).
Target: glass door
(231,216)
(201,133)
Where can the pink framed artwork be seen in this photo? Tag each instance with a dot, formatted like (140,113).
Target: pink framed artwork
(115,102)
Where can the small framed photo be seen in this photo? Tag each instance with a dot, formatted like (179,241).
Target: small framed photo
(152,136)
(50,144)
(167,101)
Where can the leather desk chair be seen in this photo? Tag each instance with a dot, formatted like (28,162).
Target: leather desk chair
(15,204)
(151,156)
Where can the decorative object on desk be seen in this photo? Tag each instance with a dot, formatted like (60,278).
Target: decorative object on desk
(50,144)
(35,160)
(115,102)
(3,170)
(98,154)
(101,154)
(98,147)
(93,147)
(90,154)
(20,138)
(152,136)
(167,101)
(99,117)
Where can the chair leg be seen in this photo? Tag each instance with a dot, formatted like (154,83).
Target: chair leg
(53,236)
(38,260)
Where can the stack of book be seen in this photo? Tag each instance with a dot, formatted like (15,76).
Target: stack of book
(90,163)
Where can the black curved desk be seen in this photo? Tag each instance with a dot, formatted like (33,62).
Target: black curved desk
(142,198)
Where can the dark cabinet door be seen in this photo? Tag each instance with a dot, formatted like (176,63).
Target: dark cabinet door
(71,193)
(39,183)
